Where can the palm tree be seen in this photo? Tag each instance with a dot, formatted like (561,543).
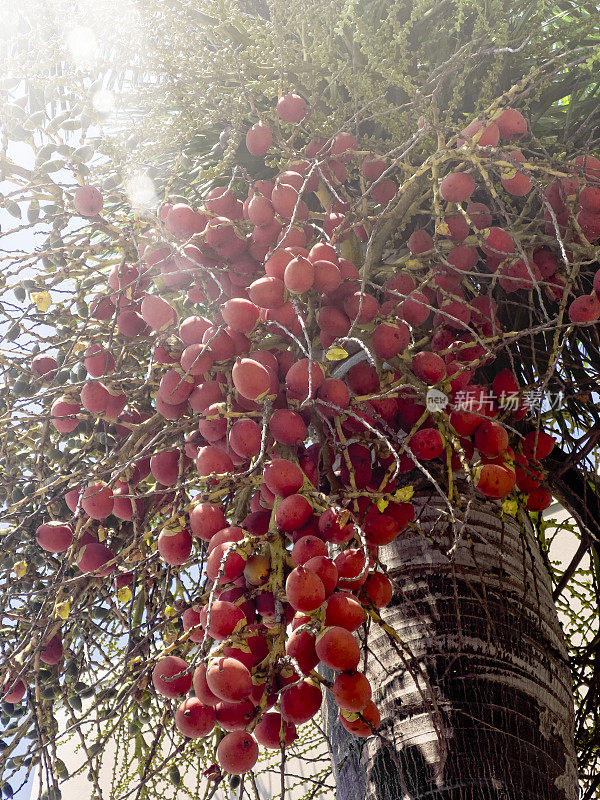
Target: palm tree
(472,675)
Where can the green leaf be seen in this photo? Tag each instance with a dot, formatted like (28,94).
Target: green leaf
(14,209)
(33,211)
(51,166)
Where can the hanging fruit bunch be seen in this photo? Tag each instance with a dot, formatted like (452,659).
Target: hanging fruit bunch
(273,371)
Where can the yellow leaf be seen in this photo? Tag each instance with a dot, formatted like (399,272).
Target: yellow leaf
(382,504)
(20,568)
(170,612)
(62,610)
(404,494)
(510,507)
(124,594)
(42,300)
(79,347)
(336,354)
(172,530)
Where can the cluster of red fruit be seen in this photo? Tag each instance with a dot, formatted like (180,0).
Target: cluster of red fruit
(257,588)
(322,446)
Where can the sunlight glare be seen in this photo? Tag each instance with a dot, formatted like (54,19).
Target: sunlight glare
(83,45)
(140,191)
(103,101)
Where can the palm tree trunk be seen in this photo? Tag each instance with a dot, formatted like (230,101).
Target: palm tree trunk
(474,688)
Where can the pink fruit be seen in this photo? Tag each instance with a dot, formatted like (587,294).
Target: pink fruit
(291,108)
(64,414)
(87,201)
(427,444)
(235,716)
(174,388)
(94,397)
(384,190)
(420,242)
(225,619)
(287,427)
(377,590)
(183,222)
(491,438)
(157,313)
(304,376)
(299,275)
(234,563)
(165,467)
(237,752)
(175,547)
(429,367)
(267,292)
(283,477)
(457,187)
(259,139)
(511,124)
(14,692)
(191,622)
(390,340)
(245,437)
(192,330)
(97,501)
(229,679)
(98,361)
(301,702)
(496,481)
(44,366)
(415,309)
(54,537)
(338,649)
(538,445)
(95,557)
(52,651)
(164,680)
(352,691)
(193,719)
(334,393)
(306,548)
(585,309)
(211,459)
(250,378)
(480,134)
(363,725)
(326,570)
(206,519)
(293,512)
(203,693)
(520,184)
(480,215)
(304,589)
(196,359)
(539,499)
(272,730)
(240,314)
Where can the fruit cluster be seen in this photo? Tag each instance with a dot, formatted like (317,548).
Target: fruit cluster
(257,587)
(291,407)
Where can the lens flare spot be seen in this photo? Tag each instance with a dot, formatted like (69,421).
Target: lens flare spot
(83,45)
(140,191)
(103,101)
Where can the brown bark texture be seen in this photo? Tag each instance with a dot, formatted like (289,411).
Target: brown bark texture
(474,688)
